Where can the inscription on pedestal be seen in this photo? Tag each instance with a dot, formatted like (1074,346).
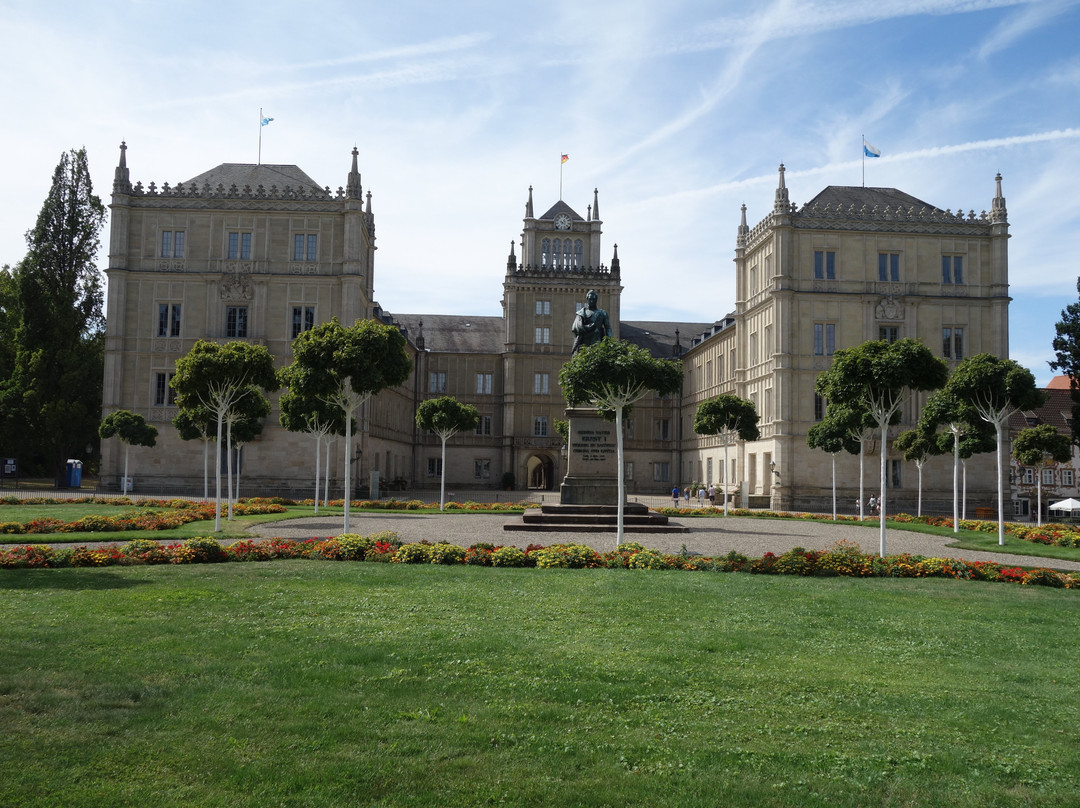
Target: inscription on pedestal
(592,460)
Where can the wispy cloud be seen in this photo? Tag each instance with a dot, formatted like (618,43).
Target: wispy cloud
(1016,26)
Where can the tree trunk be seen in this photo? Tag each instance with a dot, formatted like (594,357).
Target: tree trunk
(1000,487)
(228,468)
(206,468)
(727,472)
(442,476)
(862,454)
(622,484)
(834,486)
(919,466)
(318,468)
(956,482)
(348,464)
(881,492)
(125,485)
(217,479)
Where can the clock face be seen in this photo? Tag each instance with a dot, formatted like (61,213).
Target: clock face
(562,222)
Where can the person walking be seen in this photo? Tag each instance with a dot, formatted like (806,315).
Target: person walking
(701,496)
(712,495)
(871,505)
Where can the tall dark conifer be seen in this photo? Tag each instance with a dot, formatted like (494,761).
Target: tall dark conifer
(51,404)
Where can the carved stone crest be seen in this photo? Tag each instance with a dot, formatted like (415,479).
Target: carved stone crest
(889,309)
(236,287)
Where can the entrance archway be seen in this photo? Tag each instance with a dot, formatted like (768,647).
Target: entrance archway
(540,473)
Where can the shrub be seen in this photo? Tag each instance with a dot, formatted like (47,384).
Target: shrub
(377,557)
(845,558)
(572,556)
(1044,577)
(206,549)
(247,550)
(797,561)
(446,553)
(510,557)
(137,547)
(353,546)
(649,560)
(766,565)
(479,554)
(328,549)
(417,553)
(734,561)
(12,528)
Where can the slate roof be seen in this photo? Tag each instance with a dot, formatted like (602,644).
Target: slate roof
(455,333)
(241,174)
(562,207)
(858,196)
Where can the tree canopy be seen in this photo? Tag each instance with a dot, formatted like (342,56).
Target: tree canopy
(50,400)
(132,430)
(1038,445)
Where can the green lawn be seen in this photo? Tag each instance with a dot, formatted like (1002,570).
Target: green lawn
(345,684)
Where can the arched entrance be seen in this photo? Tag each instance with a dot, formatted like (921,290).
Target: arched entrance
(540,472)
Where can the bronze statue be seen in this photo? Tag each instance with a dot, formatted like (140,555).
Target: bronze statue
(590,324)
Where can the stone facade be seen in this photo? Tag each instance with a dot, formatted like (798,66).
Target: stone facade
(261,252)
(853,264)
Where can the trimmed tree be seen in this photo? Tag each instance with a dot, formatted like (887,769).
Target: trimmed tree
(132,430)
(876,377)
(916,446)
(445,416)
(727,416)
(243,425)
(994,389)
(612,375)
(1037,445)
(217,378)
(344,367)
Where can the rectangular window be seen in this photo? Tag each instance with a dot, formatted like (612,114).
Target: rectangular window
(952,343)
(892,479)
(436,382)
(483,425)
(303,319)
(825,265)
(952,269)
(1068,478)
(628,428)
(434,467)
(663,429)
(305,247)
(482,469)
(661,472)
(628,470)
(543,307)
(889,267)
(1028,477)
(540,383)
(819,407)
(540,426)
(543,336)
(1020,507)
(163,391)
(240,246)
(172,243)
(889,333)
(483,384)
(824,339)
(1047,476)
(168,320)
(236,322)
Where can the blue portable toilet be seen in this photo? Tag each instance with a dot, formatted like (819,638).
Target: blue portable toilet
(74,473)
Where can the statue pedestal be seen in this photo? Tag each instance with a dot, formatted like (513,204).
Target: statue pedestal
(592,460)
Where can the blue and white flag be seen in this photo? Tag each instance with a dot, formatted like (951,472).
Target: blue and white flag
(265,121)
(868,150)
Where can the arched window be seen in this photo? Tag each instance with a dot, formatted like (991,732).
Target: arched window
(557,257)
(579,253)
(545,252)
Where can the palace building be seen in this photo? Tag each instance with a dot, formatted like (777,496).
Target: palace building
(260,253)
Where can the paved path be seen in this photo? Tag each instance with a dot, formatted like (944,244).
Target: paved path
(708,536)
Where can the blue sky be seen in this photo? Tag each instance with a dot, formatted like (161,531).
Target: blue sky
(678,111)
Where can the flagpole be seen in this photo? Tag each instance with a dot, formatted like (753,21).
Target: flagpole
(260,135)
(863,161)
(560,176)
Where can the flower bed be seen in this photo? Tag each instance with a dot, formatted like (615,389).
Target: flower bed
(145,515)
(842,559)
